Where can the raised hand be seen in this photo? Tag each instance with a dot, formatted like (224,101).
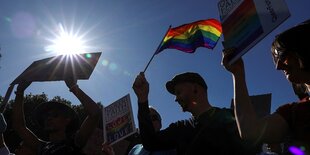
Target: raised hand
(70,82)
(236,67)
(106,148)
(22,86)
(141,87)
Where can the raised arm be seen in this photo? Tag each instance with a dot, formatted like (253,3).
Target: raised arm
(18,119)
(151,139)
(3,148)
(92,110)
(271,128)
(141,89)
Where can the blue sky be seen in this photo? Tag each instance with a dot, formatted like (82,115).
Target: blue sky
(127,32)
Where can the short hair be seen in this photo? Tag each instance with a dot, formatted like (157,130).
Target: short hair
(295,40)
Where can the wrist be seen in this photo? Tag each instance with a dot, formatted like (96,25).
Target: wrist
(19,92)
(73,88)
(142,99)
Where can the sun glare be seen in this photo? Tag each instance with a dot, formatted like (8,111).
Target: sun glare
(66,43)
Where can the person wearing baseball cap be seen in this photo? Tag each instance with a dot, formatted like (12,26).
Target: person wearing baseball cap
(210,130)
(188,78)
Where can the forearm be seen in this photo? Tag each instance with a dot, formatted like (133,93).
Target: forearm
(19,123)
(93,116)
(90,106)
(18,120)
(146,128)
(244,111)
(151,140)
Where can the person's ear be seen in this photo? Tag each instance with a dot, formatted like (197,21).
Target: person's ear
(195,89)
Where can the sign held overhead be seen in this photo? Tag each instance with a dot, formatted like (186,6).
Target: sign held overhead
(246,22)
(60,67)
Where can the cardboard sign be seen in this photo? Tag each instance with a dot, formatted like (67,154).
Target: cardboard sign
(118,120)
(56,68)
(261,104)
(246,22)
(60,67)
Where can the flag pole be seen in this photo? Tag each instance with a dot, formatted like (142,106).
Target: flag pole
(156,49)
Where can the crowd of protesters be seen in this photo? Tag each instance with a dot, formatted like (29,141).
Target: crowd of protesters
(210,130)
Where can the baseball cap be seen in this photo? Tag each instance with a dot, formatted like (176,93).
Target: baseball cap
(185,77)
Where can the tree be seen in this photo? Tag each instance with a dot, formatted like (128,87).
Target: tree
(0,58)
(30,103)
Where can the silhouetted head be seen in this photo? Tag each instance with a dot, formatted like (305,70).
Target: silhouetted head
(188,88)
(54,115)
(155,118)
(189,77)
(295,41)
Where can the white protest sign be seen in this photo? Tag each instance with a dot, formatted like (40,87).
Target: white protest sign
(118,120)
(246,22)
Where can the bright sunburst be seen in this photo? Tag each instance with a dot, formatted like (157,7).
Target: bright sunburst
(66,43)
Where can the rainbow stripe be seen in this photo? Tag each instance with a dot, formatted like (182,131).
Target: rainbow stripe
(188,37)
(242,27)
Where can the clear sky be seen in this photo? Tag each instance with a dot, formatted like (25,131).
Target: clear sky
(127,32)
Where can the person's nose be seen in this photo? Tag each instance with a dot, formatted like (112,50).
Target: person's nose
(176,99)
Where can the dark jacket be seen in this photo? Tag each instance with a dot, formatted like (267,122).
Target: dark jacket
(214,132)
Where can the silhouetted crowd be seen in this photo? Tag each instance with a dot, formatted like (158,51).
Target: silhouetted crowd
(210,130)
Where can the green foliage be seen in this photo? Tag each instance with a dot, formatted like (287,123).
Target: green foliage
(31,101)
(62,100)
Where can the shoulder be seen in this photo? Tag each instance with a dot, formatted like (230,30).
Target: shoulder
(294,111)
(183,123)
(285,107)
(285,110)
(64,147)
(224,115)
(226,111)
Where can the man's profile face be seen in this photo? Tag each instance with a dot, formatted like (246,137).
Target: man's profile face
(184,95)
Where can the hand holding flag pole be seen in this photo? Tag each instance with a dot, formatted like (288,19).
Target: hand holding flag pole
(157,49)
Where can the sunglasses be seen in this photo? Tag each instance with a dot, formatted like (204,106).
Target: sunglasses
(279,55)
(155,118)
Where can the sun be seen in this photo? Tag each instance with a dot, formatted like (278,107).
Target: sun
(66,43)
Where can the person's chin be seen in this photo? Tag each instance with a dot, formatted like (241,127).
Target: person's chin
(292,79)
(184,109)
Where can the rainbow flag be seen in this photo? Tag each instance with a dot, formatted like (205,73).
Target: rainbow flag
(188,37)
